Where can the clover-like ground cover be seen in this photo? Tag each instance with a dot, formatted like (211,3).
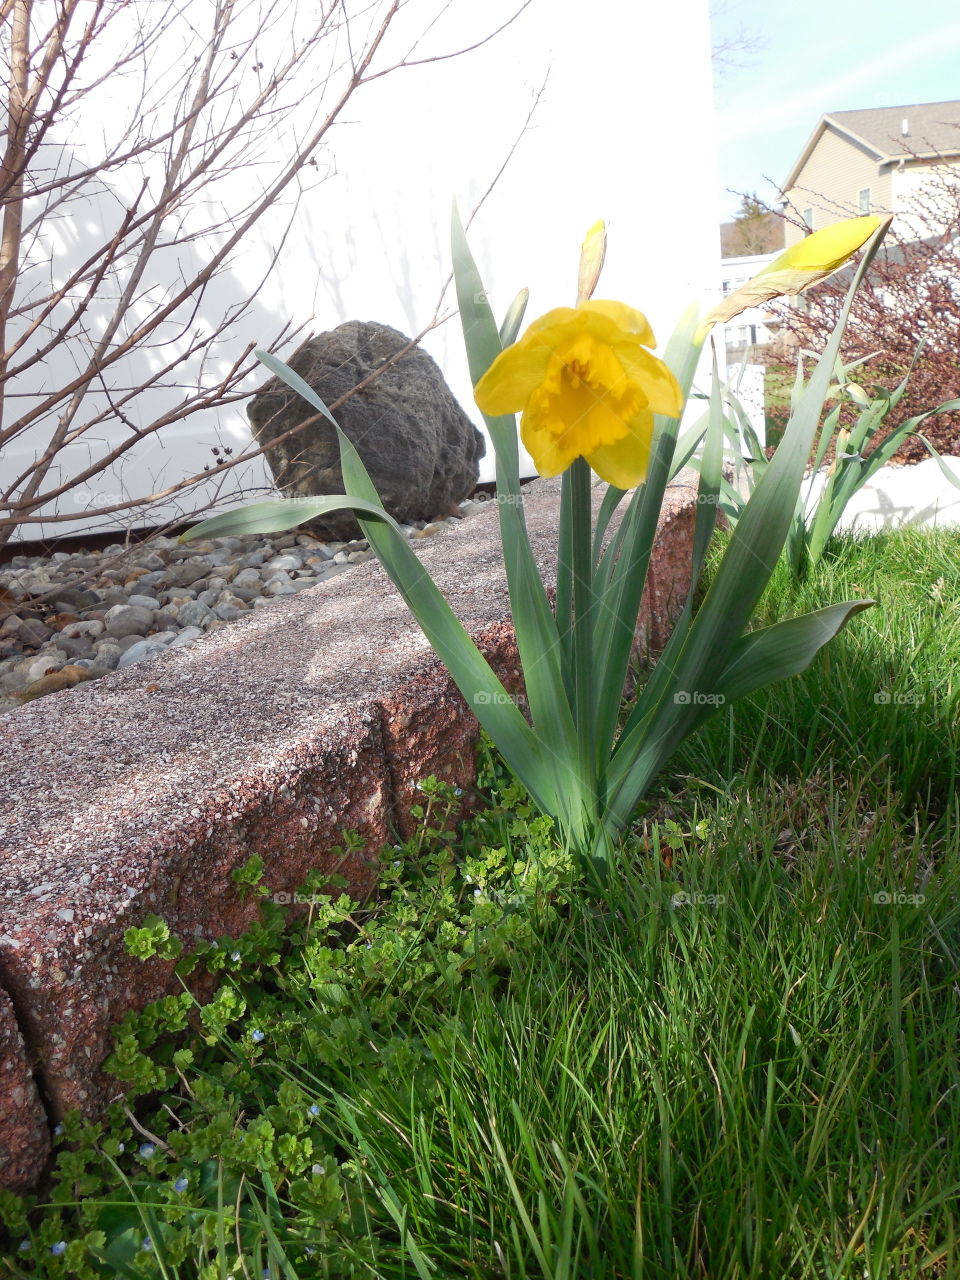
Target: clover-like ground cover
(741,1063)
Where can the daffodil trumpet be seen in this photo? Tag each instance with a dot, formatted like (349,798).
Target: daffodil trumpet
(597,407)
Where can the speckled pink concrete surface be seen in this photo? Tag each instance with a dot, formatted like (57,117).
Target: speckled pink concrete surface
(139,793)
(24,1131)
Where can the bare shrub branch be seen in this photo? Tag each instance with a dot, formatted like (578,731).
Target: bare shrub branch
(122,310)
(911,293)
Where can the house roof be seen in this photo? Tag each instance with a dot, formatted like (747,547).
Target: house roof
(933,129)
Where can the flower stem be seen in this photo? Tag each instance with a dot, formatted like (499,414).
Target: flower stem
(583,618)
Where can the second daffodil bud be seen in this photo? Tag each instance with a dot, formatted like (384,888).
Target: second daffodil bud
(802,265)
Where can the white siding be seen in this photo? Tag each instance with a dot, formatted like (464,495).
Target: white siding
(919,200)
(373,241)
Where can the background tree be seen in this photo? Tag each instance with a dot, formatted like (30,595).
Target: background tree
(733,46)
(911,292)
(144,143)
(755,228)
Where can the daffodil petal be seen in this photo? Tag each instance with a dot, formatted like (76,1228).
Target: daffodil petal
(551,454)
(659,385)
(624,463)
(556,321)
(624,317)
(508,383)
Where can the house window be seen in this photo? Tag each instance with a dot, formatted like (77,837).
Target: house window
(808,219)
(864,200)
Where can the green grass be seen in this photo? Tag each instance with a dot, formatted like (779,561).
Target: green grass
(778,380)
(881,701)
(742,1063)
(759,1080)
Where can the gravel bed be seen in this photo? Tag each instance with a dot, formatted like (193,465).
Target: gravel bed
(74,616)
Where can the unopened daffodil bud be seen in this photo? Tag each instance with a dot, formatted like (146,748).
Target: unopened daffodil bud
(804,264)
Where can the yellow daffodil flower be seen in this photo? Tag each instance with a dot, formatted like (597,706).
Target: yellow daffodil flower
(802,265)
(587,388)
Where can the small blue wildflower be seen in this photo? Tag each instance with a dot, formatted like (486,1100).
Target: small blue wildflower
(319,1169)
(121,1148)
(309,1250)
(24,1246)
(58,1130)
(458,791)
(314,1109)
(267,1273)
(147,1149)
(235,955)
(181,1184)
(58,1248)
(256,1036)
(147,1244)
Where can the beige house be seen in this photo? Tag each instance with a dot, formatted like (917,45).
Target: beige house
(878,160)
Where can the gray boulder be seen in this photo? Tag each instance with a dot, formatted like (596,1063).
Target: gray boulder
(420,448)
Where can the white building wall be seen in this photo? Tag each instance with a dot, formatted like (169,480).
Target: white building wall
(372,242)
(750,327)
(747,384)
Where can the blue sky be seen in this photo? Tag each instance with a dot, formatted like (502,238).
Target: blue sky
(816,57)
